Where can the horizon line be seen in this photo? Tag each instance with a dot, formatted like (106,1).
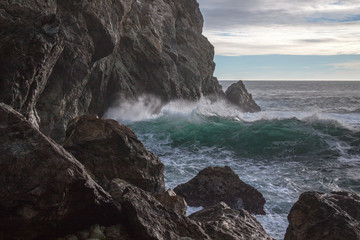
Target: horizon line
(339,80)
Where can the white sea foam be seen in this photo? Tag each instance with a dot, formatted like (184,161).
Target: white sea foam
(143,108)
(148,107)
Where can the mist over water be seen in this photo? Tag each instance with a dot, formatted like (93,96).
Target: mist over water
(306,138)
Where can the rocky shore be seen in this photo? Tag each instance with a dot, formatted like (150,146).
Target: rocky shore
(66,173)
(46,193)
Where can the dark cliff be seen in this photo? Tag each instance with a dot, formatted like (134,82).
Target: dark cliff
(60,59)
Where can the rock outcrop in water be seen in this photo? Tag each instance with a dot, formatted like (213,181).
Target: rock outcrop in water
(222,222)
(220,184)
(238,95)
(44,190)
(61,59)
(334,216)
(111,150)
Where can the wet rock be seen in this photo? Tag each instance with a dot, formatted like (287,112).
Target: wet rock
(333,216)
(222,222)
(111,150)
(44,190)
(146,218)
(172,201)
(220,184)
(238,95)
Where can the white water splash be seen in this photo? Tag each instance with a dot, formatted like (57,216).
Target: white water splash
(148,107)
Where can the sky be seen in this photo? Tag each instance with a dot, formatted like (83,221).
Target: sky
(284,39)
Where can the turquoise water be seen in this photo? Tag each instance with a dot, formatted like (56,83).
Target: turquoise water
(306,138)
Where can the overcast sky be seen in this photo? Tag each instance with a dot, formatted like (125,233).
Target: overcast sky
(284,39)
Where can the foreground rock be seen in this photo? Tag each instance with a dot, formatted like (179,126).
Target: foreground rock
(111,150)
(44,191)
(220,184)
(222,222)
(146,218)
(238,95)
(334,216)
(173,201)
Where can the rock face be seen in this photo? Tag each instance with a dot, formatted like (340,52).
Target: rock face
(44,190)
(62,59)
(172,201)
(145,218)
(238,95)
(111,150)
(217,184)
(222,222)
(334,216)
(31,42)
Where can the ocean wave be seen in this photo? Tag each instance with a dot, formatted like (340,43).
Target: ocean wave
(148,107)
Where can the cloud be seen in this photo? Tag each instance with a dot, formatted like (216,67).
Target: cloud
(347,66)
(307,27)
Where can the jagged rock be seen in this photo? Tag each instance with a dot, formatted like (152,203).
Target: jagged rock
(44,190)
(173,201)
(146,218)
(238,95)
(222,222)
(334,216)
(111,150)
(30,45)
(66,58)
(220,184)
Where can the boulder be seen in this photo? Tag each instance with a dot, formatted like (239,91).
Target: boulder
(222,222)
(147,219)
(111,150)
(334,216)
(220,184)
(238,95)
(44,191)
(173,201)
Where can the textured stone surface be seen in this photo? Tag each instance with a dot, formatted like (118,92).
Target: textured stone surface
(146,218)
(333,216)
(44,190)
(31,42)
(222,222)
(173,201)
(238,95)
(220,184)
(111,150)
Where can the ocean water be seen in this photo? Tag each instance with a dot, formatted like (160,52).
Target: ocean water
(307,137)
